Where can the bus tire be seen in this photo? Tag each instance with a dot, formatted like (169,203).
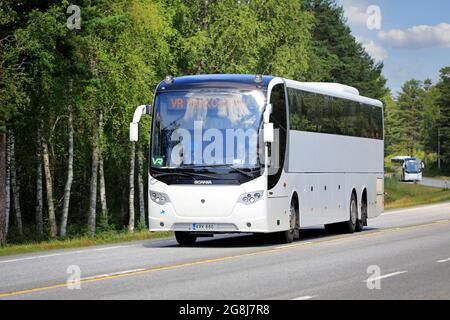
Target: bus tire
(350,225)
(363,221)
(293,233)
(185,238)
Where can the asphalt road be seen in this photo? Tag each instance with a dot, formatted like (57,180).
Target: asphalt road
(406,254)
(436,183)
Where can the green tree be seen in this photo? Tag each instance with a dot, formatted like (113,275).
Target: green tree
(409,116)
(338,57)
(430,121)
(12,94)
(41,40)
(391,139)
(444,114)
(216,36)
(127,53)
(284,39)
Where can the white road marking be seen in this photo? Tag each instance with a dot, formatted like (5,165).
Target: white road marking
(111,248)
(63,254)
(32,258)
(443,260)
(112,274)
(294,245)
(304,298)
(385,276)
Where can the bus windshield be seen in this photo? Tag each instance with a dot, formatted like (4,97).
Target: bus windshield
(412,167)
(207,127)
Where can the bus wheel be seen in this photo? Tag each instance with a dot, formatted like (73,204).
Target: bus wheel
(363,221)
(288,236)
(350,225)
(185,238)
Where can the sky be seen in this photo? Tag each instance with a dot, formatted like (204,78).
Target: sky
(411,37)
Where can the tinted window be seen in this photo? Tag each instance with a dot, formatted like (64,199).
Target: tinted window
(279,120)
(325,114)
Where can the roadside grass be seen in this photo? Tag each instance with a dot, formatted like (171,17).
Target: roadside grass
(398,195)
(82,241)
(436,174)
(402,195)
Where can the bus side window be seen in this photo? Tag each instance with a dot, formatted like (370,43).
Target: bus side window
(279,120)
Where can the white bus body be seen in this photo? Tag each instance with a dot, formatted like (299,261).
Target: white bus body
(323,179)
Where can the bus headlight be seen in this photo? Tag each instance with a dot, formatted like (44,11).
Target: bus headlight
(158,197)
(251,197)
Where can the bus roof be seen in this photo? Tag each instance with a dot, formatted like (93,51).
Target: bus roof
(333,89)
(401,159)
(223,81)
(240,81)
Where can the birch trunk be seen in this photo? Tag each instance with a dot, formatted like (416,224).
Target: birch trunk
(123,207)
(141,190)
(8,185)
(15,186)
(2,189)
(102,174)
(68,186)
(131,197)
(39,200)
(102,188)
(93,191)
(49,187)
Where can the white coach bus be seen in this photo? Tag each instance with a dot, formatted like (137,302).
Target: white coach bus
(261,154)
(411,168)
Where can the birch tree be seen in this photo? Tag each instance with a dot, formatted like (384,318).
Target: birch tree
(2,189)
(8,185)
(49,190)
(39,200)
(12,93)
(102,173)
(141,189)
(68,186)
(131,195)
(93,190)
(15,185)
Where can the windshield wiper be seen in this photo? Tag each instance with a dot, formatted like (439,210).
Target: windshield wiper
(242,171)
(185,174)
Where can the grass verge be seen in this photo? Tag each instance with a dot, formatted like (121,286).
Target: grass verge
(84,241)
(403,195)
(436,174)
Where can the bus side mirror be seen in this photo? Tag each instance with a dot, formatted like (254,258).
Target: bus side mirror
(134,126)
(423,165)
(268,133)
(134,132)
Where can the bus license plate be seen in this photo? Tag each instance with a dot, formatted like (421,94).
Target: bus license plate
(202,227)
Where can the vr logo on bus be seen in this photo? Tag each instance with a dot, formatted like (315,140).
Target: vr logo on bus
(157,161)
